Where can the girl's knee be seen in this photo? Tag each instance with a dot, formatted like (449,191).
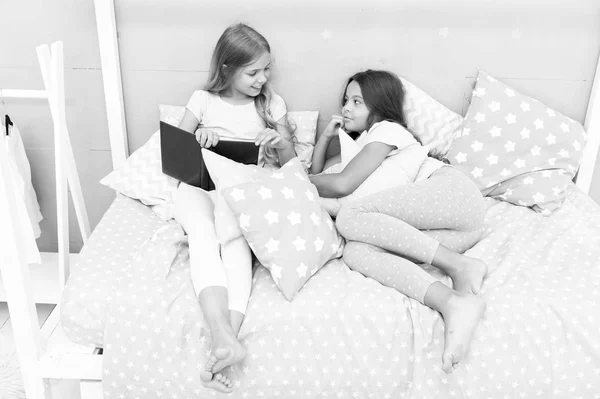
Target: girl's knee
(345,221)
(351,252)
(192,207)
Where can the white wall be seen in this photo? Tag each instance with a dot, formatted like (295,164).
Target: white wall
(546,49)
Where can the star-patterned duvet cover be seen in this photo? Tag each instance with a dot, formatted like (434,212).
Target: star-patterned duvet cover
(347,336)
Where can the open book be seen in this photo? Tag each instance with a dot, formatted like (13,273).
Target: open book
(181,155)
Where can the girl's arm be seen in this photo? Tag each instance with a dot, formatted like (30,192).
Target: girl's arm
(189,122)
(319,158)
(280,139)
(287,151)
(341,184)
(323,143)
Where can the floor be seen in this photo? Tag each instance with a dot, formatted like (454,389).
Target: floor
(11,385)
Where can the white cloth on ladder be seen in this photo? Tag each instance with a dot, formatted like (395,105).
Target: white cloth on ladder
(28,208)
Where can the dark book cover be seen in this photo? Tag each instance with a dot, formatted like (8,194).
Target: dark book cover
(181,155)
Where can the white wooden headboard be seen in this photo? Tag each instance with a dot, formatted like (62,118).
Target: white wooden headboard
(382,22)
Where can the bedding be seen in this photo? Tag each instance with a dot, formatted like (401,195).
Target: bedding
(516,148)
(226,173)
(432,122)
(102,272)
(347,336)
(141,177)
(281,218)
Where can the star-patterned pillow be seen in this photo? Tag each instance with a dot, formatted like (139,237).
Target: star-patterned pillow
(515,148)
(281,218)
(226,173)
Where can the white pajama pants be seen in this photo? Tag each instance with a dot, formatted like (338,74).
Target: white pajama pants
(213,265)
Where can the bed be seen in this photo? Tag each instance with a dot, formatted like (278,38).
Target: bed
(346,335)
(343,335)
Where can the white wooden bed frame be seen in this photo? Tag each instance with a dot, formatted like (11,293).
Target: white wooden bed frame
(47,353)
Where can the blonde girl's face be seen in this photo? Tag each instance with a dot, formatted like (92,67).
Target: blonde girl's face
(354,111)
(249,79)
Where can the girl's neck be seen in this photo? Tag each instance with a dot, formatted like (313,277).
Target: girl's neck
(235,98)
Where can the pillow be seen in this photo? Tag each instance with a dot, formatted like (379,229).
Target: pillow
(433,123)
(285,226)
(226,173)
(515,148)
(304,122)
(141,177)
(394,171)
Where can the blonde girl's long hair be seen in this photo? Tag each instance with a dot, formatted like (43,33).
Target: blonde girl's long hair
(238,46)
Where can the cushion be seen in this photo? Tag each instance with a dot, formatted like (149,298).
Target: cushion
(226,173)
(515,148)
(394,171)
(430,121)
(140,177)
(281,218)
(304,122)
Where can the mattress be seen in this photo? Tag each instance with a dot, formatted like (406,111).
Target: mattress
(347,336)
(101,273)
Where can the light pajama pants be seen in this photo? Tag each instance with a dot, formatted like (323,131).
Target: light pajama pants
(387,231)
(212,265)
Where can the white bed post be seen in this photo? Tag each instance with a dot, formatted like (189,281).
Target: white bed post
(592,127)
(111,74)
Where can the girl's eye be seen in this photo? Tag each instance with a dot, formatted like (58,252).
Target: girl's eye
(252,73)
(356,102)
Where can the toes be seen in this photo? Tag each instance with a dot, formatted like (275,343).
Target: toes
(219,383)
(210,363)
(223,380)
(206,376)
(447,363)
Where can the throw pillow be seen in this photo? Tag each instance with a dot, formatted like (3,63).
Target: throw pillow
(433,123)
(281,218)
(141,177)
(226,173)
(515,148)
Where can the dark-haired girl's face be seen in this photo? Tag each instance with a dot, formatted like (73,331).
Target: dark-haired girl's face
(355,111)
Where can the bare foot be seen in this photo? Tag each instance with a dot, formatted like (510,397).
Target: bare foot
(227,352)
(461,314)
(219,382)
(468,275)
